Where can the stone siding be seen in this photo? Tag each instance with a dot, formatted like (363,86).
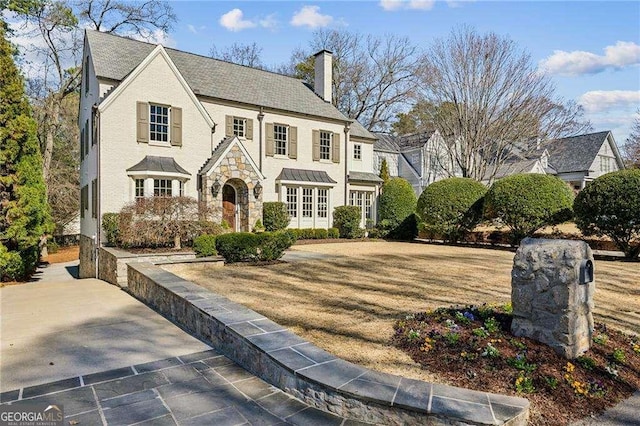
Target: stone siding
(550,304)
(87,268)
(311,374)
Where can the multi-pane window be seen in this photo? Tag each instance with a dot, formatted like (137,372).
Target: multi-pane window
(159,123)
(280,137)
(605,164)
(239,127)
(292,201)
(162,187)
(323,202)
(368,205)
(357,151)
(139,188)
(325,145)
(307,202)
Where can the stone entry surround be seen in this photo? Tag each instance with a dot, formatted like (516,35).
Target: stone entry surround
(195,389)
(307,372)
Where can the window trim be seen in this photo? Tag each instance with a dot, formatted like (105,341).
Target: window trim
(242,120)
(276,140)
(328,147)
(357,151)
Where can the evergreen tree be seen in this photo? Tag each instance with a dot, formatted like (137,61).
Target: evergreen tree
(24,213)
(384,170)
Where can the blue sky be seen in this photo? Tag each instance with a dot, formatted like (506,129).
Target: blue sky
(591,49)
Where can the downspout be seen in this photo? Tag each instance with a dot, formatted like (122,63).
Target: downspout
(99,193)
(260,118)
(346,165)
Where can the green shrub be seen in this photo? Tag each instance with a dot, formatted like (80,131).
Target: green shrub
(397,201)
(258,227)
(11,265)
(304,233)
(451,207)
(320,234)
(52,246)
(333,233)
(246,246)
(205,245)
(275,216)
(110,223)
(347,220)
(610,205)
(528,202)
(407,230)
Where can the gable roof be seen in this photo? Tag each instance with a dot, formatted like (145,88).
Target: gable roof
(115,57)
(221,150)
(414,140)
(386,142)
(575,153)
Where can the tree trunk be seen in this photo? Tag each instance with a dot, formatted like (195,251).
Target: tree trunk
(52,114)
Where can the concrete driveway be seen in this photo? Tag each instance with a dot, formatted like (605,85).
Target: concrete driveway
(58,327)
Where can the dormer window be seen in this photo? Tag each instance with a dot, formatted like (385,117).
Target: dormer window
(239,126)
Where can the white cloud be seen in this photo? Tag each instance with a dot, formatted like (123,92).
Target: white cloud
(195,30)
(310,16)
(269,22)
(391,5)
(622,54)
(603,100)
(233,21)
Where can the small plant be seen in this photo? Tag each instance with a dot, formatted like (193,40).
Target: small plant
(462,318)
(635,347)
(492,325)
(451,324)
(413,335)
(480,332)
(491,351)
(275,216)
(468,356)
(612,369)
(524,384)
(428,344)
(586,362)
(507,308)
(618,356)
(452,338)
(518,344)
(519,362)
(551,382)
(258,227)
(596,388)
(347,220)
(580,388)
(600,339)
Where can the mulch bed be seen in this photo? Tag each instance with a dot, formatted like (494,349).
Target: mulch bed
(472,347)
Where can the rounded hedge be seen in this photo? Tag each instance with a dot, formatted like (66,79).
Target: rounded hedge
(528,202)
(451,207)
(347,220)
(610,205)
(397,201)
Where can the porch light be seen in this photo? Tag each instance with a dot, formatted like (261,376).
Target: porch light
(215,188)
(257,190)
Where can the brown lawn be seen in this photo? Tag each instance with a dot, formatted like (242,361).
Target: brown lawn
(347,304)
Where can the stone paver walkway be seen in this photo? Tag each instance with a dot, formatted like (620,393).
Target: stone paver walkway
(203,388)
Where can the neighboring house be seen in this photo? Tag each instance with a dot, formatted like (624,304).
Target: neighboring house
(419,158)
(161,122)
(577,160)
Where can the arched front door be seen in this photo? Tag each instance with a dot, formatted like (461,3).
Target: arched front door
(229,201)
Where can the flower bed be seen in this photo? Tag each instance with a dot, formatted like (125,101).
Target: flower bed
(472,347)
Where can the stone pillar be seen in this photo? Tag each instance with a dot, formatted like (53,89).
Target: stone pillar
(552,300)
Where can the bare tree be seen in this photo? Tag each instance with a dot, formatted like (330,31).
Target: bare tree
(243,54)
(54,27)
(497,102)
(373,77)
(632,144)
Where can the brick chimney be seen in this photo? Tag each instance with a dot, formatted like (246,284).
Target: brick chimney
(323,74)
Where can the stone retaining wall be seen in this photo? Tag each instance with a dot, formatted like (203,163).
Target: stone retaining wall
(112,262)
(313,375)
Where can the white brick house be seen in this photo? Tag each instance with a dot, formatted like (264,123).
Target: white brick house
(158,121)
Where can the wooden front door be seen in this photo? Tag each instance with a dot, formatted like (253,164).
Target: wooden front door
(229,206)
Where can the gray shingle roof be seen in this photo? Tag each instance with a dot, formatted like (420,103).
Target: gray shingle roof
(386,142)
(152,163)
(299,175)
(414,140)
(364,177)
(575,153)
(114,57)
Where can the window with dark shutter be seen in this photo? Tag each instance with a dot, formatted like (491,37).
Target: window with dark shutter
(176,126)
(293,142)
(335,155)
(270,140)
